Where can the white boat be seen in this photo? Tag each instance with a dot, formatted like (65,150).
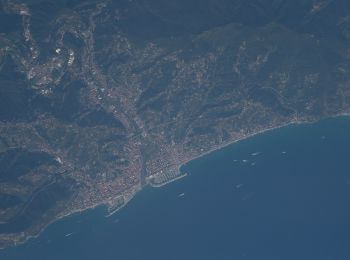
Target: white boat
(181,195)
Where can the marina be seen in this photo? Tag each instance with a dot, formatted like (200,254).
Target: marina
(231,211)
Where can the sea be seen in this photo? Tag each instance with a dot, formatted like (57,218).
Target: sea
(280,195)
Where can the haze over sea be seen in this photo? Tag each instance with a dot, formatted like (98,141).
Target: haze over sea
(284,194)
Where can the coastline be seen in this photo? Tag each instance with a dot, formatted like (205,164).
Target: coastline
(180,176)
(223,145)
(22,239)
(241,139)
(263,131)
(292,123)
(126,198)
(107,203)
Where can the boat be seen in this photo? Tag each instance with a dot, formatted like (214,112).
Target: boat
(181,195)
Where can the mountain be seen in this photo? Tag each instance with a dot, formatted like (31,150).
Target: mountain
(101,98)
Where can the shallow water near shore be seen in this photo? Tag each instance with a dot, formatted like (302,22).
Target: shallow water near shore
(283,194)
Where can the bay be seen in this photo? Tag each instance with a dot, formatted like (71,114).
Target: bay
(283,194)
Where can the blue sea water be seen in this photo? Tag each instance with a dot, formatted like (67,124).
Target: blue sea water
(284,194)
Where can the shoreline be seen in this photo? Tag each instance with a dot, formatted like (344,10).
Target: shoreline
(126,198)
(106,203)
(292,123)
(178,177)
(224,145)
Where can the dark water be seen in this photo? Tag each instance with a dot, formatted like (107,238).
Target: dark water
(293,203)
